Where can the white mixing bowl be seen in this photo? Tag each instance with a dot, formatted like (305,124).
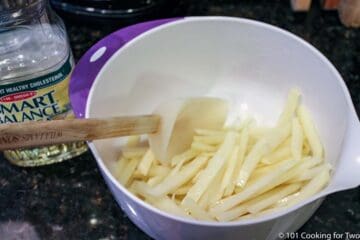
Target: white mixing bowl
(247,62)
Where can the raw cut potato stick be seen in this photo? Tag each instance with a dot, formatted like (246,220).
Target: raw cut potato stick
(285,201)
(258,203)
(310,132)
(259,214)
(133,141)
(306,148)
(196,211)
(177,167)
(253,189)
(204,199)
(313,186)
(211,192)
(261,148)
(214,166)
(155,180)
(243,144)
(120,166)
(212,139)
(182,190)
(129,169)
(273,196)
(208,132)
(290,107)
(173,182)
(215,193)
(183,160)
(277,156)
(297,139)
(299,168)
(203,147)
(310,173)
(240,210)
(196,178)
(141,188)
(187,155)
(134,152)
(259,132)
(145,163)
(166,204)
(155,170)
(229,171)
(208,154)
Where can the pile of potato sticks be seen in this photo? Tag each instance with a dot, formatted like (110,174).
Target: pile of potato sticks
(238,172)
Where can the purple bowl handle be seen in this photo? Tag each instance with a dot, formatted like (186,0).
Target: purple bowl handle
(94,59)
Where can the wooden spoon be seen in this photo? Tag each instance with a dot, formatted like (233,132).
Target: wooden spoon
(170,129)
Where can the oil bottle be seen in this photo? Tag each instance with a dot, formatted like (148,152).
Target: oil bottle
(35,67)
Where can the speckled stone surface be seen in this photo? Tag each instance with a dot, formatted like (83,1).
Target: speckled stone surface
(71,201)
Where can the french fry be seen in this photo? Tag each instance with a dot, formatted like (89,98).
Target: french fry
(310,132)
(145,163)
(213,167)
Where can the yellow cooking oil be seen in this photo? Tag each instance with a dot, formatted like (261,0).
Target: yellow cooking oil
(45,155)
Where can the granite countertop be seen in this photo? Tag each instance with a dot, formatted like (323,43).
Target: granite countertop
(71,201)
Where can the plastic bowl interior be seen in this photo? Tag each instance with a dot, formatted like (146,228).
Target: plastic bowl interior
(251,64)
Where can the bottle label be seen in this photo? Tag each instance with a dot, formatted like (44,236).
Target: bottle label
(41,98)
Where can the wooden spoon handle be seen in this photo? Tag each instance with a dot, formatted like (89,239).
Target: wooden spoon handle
(41,133)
